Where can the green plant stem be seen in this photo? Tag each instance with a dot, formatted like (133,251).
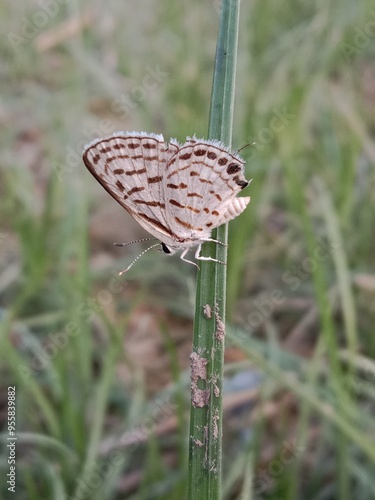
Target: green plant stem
(205,446)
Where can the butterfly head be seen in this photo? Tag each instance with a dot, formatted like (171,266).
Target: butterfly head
(168,250)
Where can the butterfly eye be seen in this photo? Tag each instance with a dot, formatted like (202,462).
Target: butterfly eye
(165,248)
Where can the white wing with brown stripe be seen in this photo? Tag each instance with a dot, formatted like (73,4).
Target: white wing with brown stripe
(201,182)
(178,193)
(131,166)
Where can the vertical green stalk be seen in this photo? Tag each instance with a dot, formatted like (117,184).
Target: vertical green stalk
(205,446)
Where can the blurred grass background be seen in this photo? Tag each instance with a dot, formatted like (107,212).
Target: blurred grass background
(100,363)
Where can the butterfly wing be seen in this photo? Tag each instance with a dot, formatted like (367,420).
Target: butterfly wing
(201,182)
(131,166)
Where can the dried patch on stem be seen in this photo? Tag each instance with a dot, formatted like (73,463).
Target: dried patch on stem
(215,419)
(199,397)
(220,328)
(215,386)
(207,311)
(197,442)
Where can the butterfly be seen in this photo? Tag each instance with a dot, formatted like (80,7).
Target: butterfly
(177,192)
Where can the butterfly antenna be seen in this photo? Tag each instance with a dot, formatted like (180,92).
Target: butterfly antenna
(246,146)
(135,241)
(139,256)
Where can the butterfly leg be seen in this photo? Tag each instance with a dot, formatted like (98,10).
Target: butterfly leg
(188,261)
(200,257)
(215,241)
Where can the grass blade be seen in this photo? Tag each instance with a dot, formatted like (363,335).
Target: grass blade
(205,447)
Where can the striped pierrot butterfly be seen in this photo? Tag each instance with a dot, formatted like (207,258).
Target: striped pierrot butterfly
(178,192)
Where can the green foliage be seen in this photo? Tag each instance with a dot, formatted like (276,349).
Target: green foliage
(300,258)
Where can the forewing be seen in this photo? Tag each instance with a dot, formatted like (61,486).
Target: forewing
(201,182)
(131,166)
